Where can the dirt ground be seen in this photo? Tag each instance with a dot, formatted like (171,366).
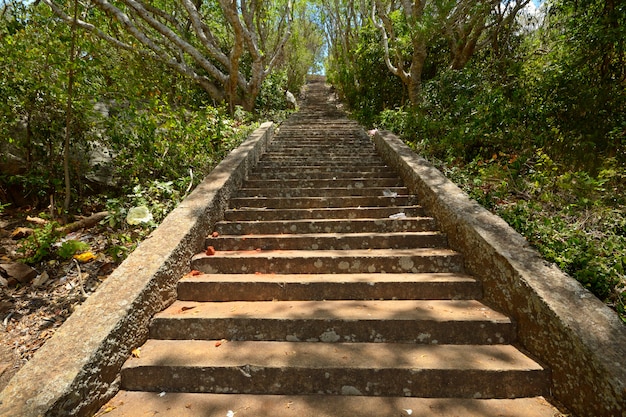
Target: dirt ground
(31,312)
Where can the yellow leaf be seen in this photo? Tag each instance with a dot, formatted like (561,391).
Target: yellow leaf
(136,352)
(85,257)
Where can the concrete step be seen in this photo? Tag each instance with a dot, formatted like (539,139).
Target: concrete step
(376,321)
(321,192)
(320,148)
(318,300)
(302,171)
(316,173)
(350,183)
(329,241)
(409,224)
(250,214)
(197,286)
(329,261)
(131,404)
(297,368)
(322,202)
(336,156)
(326,160)
(321,164)
(325,134)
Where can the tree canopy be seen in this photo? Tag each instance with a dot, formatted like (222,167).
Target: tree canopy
(204,40)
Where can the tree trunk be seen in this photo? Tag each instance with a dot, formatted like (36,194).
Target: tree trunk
(68,114)
(417,67)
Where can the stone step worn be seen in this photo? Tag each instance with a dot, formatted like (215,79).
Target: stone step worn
(359,183)
(269,287)
(322,192)
(315,173)
(322,202)
(364,225)
(250,213)
(329,261)
(328,241)
(137,403)
(406,321)
(294,368)
(326,172)
(328,290)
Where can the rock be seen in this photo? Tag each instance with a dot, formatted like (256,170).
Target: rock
(17,273)
(291,100)
(40,280)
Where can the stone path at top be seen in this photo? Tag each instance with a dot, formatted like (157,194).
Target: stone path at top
(328,291)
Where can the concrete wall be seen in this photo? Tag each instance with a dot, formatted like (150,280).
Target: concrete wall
(562,324)
(77,370)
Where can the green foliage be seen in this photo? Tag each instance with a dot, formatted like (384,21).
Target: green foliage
(590,247)
(43,245)
(33,97)
(574,219)
(120,245)
(39,245)
(303,51)
(537,136)
(160,198)
(161,142)
(365,82)
(578,86)
(273,90)
(71,247)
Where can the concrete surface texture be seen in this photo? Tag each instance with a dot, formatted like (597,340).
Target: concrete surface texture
(329,289)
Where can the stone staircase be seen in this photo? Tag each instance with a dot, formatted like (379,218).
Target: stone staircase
(328,291)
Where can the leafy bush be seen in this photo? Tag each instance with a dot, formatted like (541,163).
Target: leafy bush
(39,245)
(273,90)
(162,143)
(365,82)
(70,247)
(574,219)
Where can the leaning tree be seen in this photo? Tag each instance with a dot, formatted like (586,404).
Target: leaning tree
(409,28)
(227,46)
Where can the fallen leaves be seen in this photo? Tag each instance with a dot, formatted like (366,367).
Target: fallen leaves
(210,251)
(35,309)
(21,233)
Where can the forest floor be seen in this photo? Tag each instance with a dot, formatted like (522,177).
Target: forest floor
(31,312)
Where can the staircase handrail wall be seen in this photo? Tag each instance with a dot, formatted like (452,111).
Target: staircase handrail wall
(562,324)
(77,370)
